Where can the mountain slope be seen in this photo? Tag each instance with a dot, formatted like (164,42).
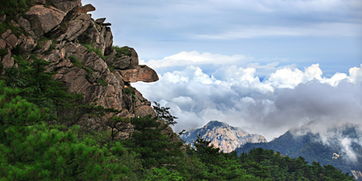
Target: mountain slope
(310,147)
(222,136)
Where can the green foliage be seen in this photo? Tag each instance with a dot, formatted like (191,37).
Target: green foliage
(156,149)
(12,8)
(3,52)
(41,152)
(102,82)
(163,174)
(117,125)
(38,87)
(163,113)
(218,165)
(120,51)
(95,50)
(129,91)
(14,110)
(269,164)
(4,26)
(76,62)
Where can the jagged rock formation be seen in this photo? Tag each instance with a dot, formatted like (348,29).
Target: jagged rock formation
(222,136)
(81,54)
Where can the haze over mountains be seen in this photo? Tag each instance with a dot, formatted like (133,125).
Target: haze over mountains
(340,147)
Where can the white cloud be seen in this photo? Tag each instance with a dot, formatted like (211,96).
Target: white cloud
(196,58)
(285,98)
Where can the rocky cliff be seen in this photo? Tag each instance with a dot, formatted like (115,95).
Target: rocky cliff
(80,53)
(222,136)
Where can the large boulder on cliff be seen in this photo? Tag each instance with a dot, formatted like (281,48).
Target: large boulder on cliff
(139,73)
(75,23)
(123,58)
(43,19)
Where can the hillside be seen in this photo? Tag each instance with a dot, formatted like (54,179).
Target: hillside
(222,136)
(68,110)
(310,147)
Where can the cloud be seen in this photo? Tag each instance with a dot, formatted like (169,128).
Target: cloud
(196,58)
(285,98)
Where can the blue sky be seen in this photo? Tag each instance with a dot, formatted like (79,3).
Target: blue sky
(266,66)
(301,32)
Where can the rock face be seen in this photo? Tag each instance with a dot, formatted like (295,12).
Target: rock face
(222,136)
(43,19)
(81,54)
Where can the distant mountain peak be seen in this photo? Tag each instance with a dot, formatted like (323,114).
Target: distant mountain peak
(216,123)
(223,136)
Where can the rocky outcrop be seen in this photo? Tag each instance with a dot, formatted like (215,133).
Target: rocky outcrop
(222,136)
(43,19)
(140,73)
(81,54)
(8,41)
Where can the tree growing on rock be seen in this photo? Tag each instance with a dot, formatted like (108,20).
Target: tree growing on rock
(164,114)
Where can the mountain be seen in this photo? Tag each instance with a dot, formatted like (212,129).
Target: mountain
(222,136)
(341,150)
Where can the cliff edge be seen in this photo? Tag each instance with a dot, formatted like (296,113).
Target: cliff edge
(80,52)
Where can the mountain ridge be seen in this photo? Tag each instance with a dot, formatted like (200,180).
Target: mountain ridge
(311,148)
(223,136)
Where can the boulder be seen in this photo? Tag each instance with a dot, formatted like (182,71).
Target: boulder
(10,39)
(65,5)
(100,20)
(144,110)
(7,60)
(139,73)
(108,41)
(124,57)
(106,24)
(121,62)
(86,8)
(74,26)
(44,46)
(27,43)
(100,37)
(2,44)
(43,19)
(5,34)
(25,24)
(134,57)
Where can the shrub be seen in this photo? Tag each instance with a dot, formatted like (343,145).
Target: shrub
(12,8)
(122,51)
(95,50)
